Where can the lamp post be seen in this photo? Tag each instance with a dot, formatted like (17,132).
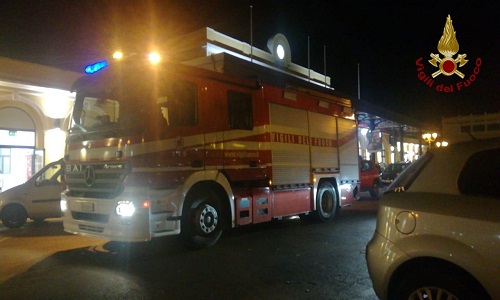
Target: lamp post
(429,138)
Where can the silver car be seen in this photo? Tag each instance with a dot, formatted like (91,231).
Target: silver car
(438,227)
(37,199)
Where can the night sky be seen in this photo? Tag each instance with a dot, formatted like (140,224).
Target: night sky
(386,39)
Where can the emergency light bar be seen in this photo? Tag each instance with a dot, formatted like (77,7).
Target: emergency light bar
(154,58)
(91,69)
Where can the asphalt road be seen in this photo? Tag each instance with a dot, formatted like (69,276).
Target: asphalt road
(286,259)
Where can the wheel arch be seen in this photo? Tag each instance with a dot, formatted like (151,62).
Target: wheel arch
(333,182)
(426,264)
(221,188)
(451,251)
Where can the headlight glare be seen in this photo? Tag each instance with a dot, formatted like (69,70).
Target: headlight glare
(64,205)
(125,208)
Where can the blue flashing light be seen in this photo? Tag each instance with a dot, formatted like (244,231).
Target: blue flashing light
(93,68)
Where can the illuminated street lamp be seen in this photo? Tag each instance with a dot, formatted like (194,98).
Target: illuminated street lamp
(429,138)
(442,144)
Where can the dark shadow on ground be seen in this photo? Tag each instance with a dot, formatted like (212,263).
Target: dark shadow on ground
(287,259)
(49,227)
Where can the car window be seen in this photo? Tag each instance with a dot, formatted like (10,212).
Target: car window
(480,173)
(51,175)
(406,178)
(393,168)
(399,167)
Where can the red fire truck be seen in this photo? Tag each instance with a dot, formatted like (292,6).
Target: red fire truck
(176,149)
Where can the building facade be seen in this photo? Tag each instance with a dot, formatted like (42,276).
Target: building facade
(465,128)
(35,104)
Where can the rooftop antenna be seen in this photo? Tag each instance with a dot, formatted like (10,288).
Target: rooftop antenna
(324,59)
(359,85)
(251,34)
(308,59)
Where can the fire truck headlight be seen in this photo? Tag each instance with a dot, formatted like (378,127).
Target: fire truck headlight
(154,58)
(64,205)
(125,208)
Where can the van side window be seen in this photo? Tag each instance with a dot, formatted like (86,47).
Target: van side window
(240,110)
(177,102)
(480,174)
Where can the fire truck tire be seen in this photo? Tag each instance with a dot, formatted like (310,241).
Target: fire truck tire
(326,202)
(202,221)
(14,216)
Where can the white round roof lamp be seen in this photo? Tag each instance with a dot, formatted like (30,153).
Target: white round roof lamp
(280,51)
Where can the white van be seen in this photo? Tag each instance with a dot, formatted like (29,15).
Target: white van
(37,199)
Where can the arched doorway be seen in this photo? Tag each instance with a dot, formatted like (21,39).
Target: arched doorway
(19,159)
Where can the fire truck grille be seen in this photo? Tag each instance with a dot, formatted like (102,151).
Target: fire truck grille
(91,228)
(104,180)
(82,216)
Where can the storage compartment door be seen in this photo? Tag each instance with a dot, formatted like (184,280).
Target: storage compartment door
(289,145)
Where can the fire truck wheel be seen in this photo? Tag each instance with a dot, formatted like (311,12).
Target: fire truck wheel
(202,221)
(326,202)
(14,216)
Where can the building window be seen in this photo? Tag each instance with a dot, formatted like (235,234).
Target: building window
(4,160)
(493,127)
(465,128)
(478,127)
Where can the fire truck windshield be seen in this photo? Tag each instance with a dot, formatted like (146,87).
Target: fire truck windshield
(99,112)
(102,106)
